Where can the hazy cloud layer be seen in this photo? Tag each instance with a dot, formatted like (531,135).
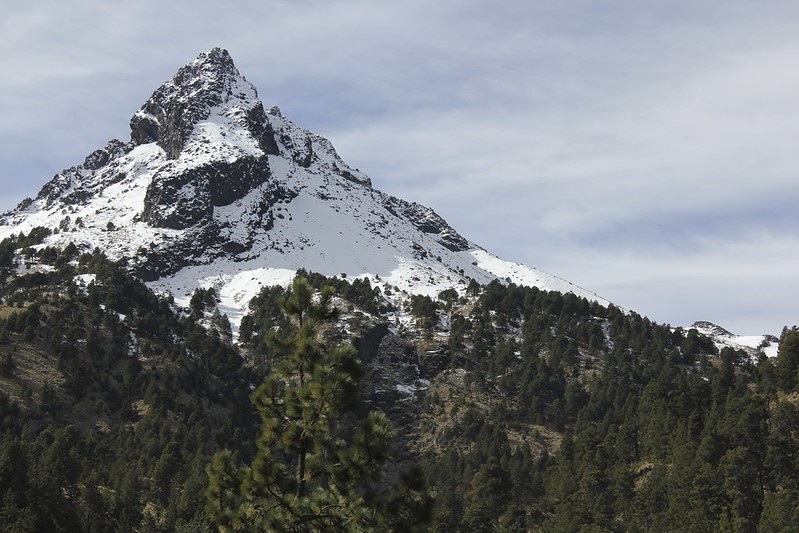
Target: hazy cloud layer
(643,150)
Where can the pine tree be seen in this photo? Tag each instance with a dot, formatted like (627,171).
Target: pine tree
(317,468)
(788,359)
(486,498)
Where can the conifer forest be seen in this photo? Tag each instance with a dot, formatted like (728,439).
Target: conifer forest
(339,407)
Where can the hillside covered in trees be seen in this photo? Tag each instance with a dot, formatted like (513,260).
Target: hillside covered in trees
(508,408)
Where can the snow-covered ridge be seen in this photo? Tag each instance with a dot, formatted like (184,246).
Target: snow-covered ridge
(752,344)
(524,275)
(214,190)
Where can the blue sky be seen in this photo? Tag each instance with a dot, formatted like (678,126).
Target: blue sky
(643,150)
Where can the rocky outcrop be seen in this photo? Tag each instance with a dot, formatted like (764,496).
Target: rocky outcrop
(100,158)
(391,378)
(69,185)
(187,250)
(171,113)
(427,221)
(262,130)
(368,343)
(710,327)
(181,200)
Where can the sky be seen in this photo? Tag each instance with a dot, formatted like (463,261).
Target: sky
(643,150)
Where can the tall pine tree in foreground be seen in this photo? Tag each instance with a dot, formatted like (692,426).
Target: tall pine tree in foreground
(317,467)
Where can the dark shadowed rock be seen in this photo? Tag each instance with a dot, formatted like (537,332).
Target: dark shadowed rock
(180,200)
(369,342)
(67,185)
(101,157)
(170,114)
(428,221)
(262,130)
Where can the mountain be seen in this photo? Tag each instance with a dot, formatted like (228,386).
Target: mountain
(751,344)
(215,190)
(522,409)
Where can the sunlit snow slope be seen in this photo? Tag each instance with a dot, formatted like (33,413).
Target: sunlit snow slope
(754,345)
(214,190)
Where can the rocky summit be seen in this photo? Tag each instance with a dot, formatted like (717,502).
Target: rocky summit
(214,189)
(209,83)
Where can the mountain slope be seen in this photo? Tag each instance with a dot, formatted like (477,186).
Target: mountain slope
(214,190)
(751,344)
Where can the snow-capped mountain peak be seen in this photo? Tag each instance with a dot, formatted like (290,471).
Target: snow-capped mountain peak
(212,189)
(206,91)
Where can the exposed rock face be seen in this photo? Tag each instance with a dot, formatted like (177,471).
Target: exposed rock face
(186,250)
(712,328)
(66,186)
(209,89)
(392,377)
(171,113)
(428,221)
(261,129)
(181,200)
(368,343)
(100,158)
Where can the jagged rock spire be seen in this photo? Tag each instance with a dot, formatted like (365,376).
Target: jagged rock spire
(211,80)
(208,116)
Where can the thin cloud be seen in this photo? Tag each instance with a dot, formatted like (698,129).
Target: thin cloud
(738,284)
(568,136)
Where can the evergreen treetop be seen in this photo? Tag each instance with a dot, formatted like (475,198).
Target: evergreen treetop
(317,468)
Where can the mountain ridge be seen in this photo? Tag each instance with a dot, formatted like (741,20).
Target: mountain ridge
(751,344)
(213,189)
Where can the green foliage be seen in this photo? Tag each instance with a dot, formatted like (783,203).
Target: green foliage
(660,430)
(35,237)
(315,468)
(788,359)
(359,291)
(543,412)
(6,364)
(425,310)
(146,398)
(486,498)
(203,300)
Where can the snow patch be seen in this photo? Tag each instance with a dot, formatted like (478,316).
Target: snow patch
(752,344)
